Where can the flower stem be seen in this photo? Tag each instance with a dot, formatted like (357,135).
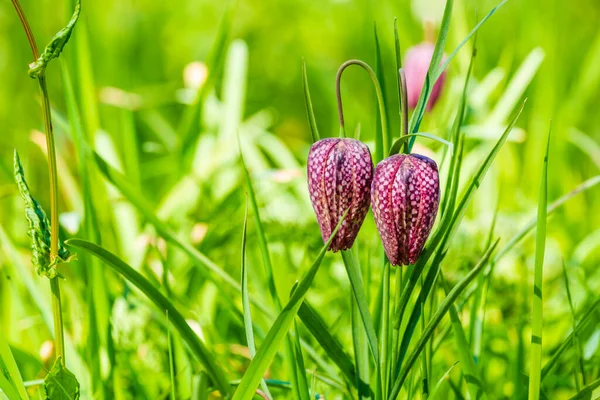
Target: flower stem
(52,172)
(378,90)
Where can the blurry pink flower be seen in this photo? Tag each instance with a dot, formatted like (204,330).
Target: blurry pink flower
(416,64)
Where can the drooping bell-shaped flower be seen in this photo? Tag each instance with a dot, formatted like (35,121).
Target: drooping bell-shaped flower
(340,172)
(405,195)
(416,64)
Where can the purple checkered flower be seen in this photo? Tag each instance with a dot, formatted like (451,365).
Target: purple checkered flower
(416,64)
(340,172)
(405,195)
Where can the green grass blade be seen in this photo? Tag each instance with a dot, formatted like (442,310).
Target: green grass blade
(436,58)
(590,392)
(471,372)
(98,304)
(246,304)
(331,345)
(8,389)
(437,318)
(537,322)
(196,345)
(589,316)
(361,352)
(576,343)
(262,239)
(171,360)
(279,329)
(379,137)
(8,364)
(586,185)
(358,290)
(444,378)
(301,381)
(398,59)
(452,182)
(384,336)
(310,113)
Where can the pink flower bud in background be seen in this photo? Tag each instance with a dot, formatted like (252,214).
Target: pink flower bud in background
(340,172)
(415,64)
(405,195)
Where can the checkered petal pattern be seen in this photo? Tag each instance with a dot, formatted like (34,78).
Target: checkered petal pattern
(340,172)
(405,196)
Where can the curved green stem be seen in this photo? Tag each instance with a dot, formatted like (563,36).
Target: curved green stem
(378,90)
(54,284)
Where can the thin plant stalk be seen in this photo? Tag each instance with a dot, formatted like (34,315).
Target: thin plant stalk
(52,172)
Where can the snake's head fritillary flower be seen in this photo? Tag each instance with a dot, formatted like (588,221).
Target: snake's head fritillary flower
(405,196)
(416,64)
(340,172)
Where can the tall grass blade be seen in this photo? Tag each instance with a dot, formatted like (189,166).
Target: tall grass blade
(246,304)
(310,113)
(437,318)
(576,343)
(471,373)
(329,343)
(358,291)
(279,329)
(196,345)
(438,385)
(13,377)
(590,392)
(537,322)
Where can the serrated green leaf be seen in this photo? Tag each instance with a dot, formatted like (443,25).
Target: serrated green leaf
(39,229)
(56,45)
(60,383)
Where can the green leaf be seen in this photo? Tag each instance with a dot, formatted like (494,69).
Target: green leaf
(576,343)
(39,229)
(471,371)
(358,290)
(56,45)
(587,317)
(437,318)
(11,381)
(382,141)
(246,304)
(537,322)
(443,379)
(590,392)
(331,345)
(310,113)
(196,345)
(279,329)
(60,383)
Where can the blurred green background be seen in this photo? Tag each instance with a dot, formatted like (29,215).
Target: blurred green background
(127,61)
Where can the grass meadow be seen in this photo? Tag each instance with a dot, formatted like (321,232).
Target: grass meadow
(178,255)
